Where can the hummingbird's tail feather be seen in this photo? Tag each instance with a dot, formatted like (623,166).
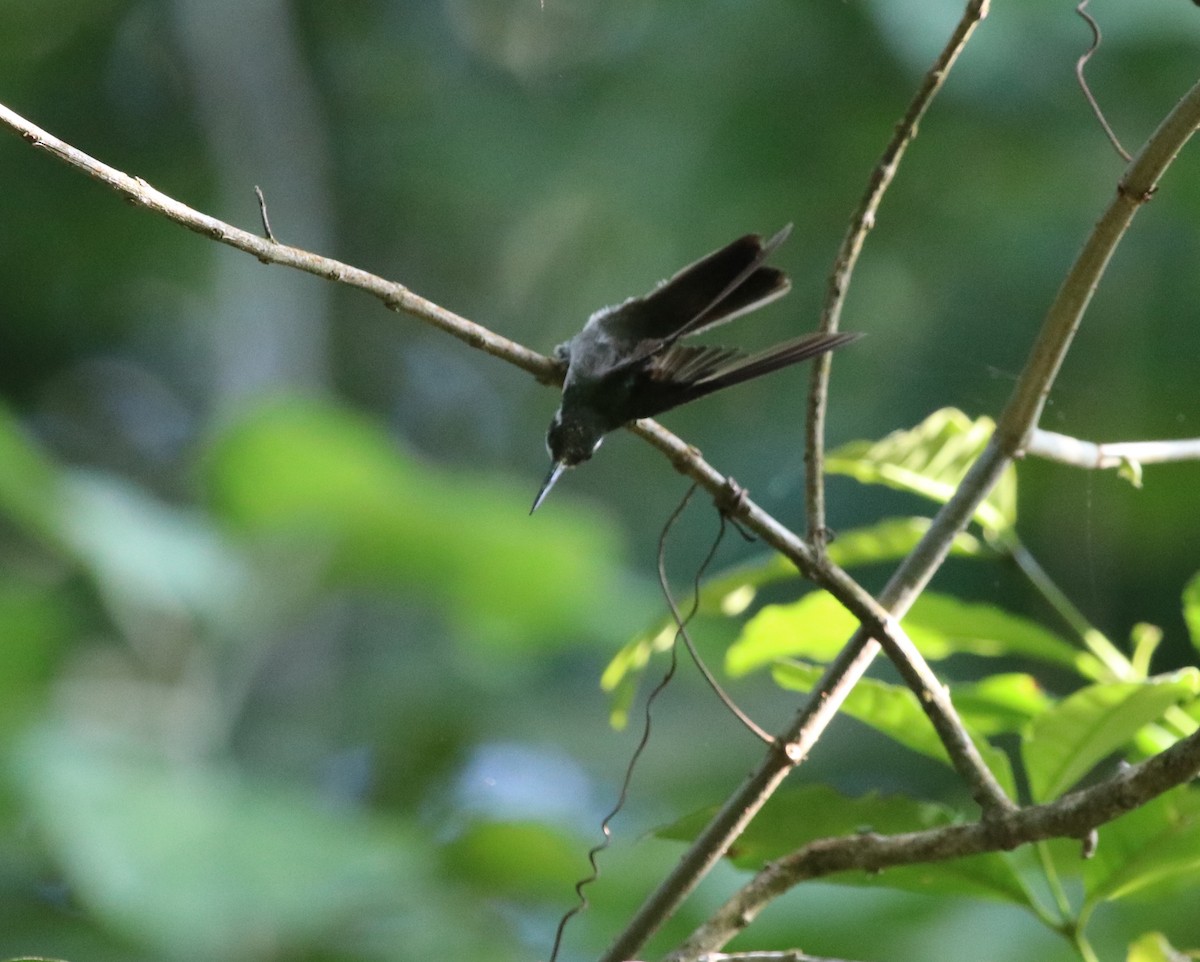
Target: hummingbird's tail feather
(772,359)
(709,291)
(684,372)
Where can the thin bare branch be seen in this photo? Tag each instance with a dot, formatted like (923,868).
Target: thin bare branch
(1093,456)
(396,296)
(861,222)
(1014,426)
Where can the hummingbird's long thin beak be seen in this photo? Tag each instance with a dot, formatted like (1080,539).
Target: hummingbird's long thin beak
(556,470)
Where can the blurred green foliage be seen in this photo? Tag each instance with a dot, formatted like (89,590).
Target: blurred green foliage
(285,669)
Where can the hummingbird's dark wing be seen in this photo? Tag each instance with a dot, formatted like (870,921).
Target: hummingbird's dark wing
(715,289)
(683,373)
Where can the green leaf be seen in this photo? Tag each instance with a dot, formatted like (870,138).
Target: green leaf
(1149,852)
(35,625)
(1000,703)
(1154,947)
(29,482)
(1131,471)
(795,817)
(1144,640)
(149,559)
(1191,609)
(513,860)
(893,710)
(817,627)
(1064,743)
(329,486)
(930,460)
(894,538)
(175,854)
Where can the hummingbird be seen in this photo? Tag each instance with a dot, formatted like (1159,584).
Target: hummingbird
(628,362)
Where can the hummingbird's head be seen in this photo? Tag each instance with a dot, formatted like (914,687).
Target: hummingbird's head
(571,440)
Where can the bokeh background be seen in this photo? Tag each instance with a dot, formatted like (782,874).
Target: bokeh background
(285,670)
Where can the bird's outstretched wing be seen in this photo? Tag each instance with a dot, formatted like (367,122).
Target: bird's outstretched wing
(715,289)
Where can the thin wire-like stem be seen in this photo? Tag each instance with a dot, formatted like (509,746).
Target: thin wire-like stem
(1111,657)
(606,823)
(681,622)
(861,222)
(1081,9)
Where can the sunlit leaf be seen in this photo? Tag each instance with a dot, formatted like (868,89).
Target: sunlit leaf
(892,539)
(1144,640)
(930,460)
(1154,947)
(1151,851)
(795,817)
(893,710)
(1064,743)
(817,627)
(1191,609)
(1000,703)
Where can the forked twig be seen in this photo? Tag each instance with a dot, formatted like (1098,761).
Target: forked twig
(262,210)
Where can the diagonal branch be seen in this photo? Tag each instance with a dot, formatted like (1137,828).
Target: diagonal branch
(861,222)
